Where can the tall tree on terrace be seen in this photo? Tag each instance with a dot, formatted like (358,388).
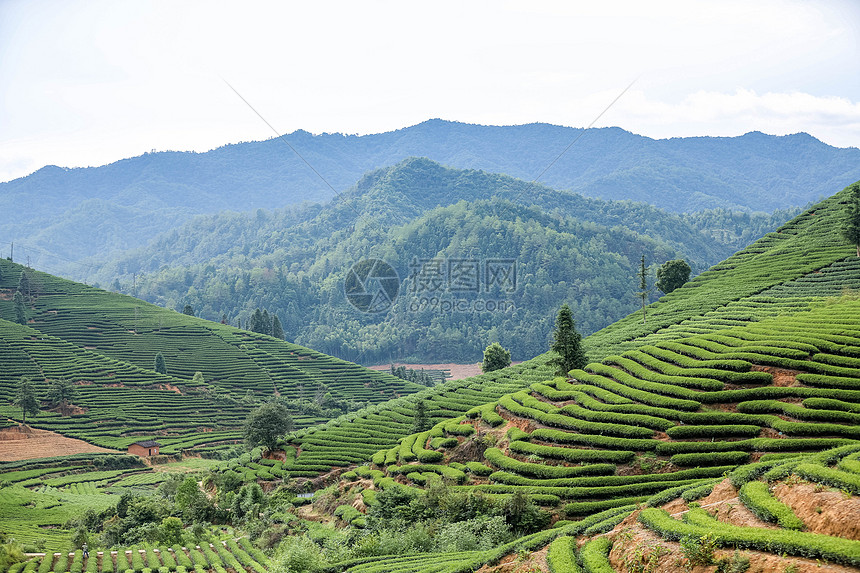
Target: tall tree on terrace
(496,357)
(672,274)
(421,422)
(160,365)
(851,225)
(20,309)
(25,398)
(61,393)
(643,285)
(277,329)
(266,424)
(567,343)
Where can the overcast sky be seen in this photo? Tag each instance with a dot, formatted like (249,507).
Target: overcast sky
(87,83)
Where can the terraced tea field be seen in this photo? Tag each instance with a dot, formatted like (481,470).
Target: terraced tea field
(646,427)
(232,555)
(803,264)
(106,345)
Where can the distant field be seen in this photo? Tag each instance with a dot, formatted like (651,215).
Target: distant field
(28,443)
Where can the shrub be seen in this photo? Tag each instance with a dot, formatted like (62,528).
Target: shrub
(757,497)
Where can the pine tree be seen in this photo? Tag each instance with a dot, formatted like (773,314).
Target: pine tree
(567,343)
(421,422)
(851,225)
(24,285)
(20,311)
(25,398)
(277,329)
(265,324)
(160,364)
(255,323)
(643,285)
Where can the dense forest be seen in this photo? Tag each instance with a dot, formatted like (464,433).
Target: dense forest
(77,213)
(419,216)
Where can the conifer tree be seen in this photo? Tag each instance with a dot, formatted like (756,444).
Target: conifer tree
(643,285)
(24,285)
(265,324)
(567,343)
(160,364)
(20,311)
(421,422)
(277,329)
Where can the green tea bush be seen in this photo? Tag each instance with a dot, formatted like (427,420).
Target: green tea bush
(757,497)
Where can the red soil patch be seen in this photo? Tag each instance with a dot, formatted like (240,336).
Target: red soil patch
(781,376)
(823,510)
(631,538)
(23,443)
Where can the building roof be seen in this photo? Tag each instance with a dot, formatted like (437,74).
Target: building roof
(147,444)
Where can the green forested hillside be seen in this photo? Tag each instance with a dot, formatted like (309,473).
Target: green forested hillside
(75,213)
(810,266)
(743,397)
(760,386)
(106,344)
(565,248)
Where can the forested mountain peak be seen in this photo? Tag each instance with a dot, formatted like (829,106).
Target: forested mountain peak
(75,213)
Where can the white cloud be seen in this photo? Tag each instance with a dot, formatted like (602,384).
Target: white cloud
(89,82)
(834,120)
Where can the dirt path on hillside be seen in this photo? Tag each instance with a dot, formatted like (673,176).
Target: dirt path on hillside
(23,443)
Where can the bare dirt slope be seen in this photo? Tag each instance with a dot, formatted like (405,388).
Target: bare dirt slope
(24,442)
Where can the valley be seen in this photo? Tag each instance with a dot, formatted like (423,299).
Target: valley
(717,429)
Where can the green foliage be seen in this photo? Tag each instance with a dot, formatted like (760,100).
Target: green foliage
(757,497)
(25,398)
(160,365)
(421,423)
(672,275)
(567,343)
(266,424)
(561,556)
(698,550)
(20,310)
(495,358)
(61,392)
(595,556)
(851,224)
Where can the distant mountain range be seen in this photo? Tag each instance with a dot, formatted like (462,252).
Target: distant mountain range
(60,216)
(293,262)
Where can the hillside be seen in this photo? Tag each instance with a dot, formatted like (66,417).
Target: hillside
(106,344)
(565,247)
(75,213)
(763,401)
(811,266)
(530,470)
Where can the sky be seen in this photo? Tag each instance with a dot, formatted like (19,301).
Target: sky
(85,83)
